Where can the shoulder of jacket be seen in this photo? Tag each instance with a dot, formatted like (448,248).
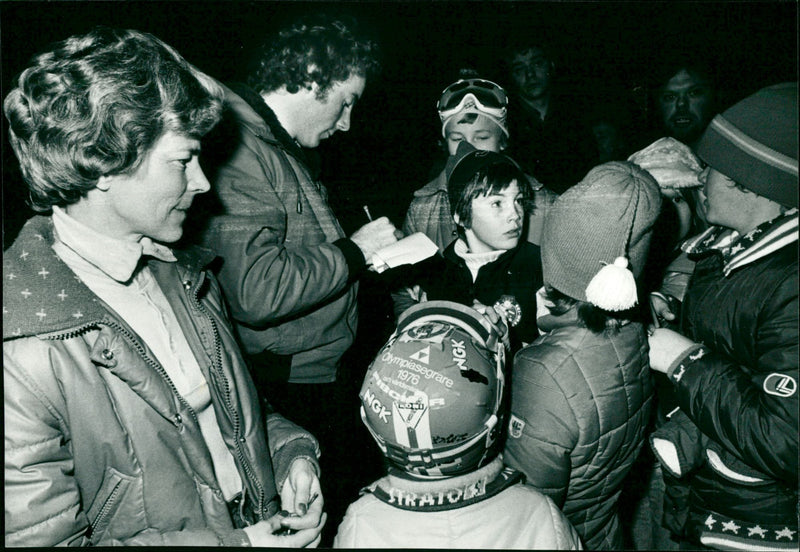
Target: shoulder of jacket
(237,108)
(527,254)
(40,293)
(554,352)
(436,186)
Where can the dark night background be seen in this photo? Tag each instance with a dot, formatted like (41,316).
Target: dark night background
(603,49)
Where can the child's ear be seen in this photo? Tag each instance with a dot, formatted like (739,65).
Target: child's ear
(456,219)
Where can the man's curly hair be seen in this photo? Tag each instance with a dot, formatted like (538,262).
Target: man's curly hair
(314,49)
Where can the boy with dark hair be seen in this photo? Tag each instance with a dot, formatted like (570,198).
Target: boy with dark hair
(490,261)
(472,111)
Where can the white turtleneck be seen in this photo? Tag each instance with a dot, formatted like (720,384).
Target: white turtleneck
(475,261)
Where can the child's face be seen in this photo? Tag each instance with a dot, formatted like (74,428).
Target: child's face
(482,134)
(496,220)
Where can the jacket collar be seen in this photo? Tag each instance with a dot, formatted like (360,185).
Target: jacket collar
(450,254)
(41,295)
(116,258)
(278,134)
(408,493)
(738,251)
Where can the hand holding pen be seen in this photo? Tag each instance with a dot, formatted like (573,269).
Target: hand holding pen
(374,235)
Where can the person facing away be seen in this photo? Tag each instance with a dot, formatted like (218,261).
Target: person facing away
(729,451)
(488,262)
(130,418)
(288,270)
(433,399)
(472,110)
(581,393)
(549,137)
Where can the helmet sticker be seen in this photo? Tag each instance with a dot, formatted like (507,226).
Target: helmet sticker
(412,425)
(515,427)
(460,359)
(429,331)
(376,405)
(780,385)
(422,355)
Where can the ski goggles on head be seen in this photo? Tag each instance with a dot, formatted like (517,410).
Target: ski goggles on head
(483,95)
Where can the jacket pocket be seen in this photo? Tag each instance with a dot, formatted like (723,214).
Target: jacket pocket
(106,503)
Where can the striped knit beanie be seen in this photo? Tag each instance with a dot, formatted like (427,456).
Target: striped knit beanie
(597,235)
(755,143)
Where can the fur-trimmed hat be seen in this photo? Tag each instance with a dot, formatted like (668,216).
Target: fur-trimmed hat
(755,143)
(597,235)
(671,163)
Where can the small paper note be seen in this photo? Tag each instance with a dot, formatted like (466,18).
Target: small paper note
(410,250)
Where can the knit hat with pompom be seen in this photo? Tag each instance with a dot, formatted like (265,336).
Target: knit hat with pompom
(597,235)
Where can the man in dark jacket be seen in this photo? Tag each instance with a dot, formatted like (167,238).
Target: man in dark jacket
(730,449)
(288,270)
(549,137)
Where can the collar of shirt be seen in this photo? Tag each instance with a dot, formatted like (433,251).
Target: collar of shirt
(475,261)
(116,258)
(738,251)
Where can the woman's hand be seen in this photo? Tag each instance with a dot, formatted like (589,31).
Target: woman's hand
(300,522)
(301,491)
(275,533)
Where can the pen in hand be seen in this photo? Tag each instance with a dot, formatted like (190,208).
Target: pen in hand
(366,210)
(283,530)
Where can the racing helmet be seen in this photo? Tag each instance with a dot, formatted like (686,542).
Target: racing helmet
(432,397)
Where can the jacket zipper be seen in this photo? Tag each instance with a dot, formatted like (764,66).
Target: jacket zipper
(109,502)
(160,370)
(245,462)
(131,339)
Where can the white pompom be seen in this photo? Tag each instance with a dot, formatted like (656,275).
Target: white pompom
(613,288)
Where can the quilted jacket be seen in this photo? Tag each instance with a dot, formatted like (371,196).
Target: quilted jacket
(580,403)
(99,447)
